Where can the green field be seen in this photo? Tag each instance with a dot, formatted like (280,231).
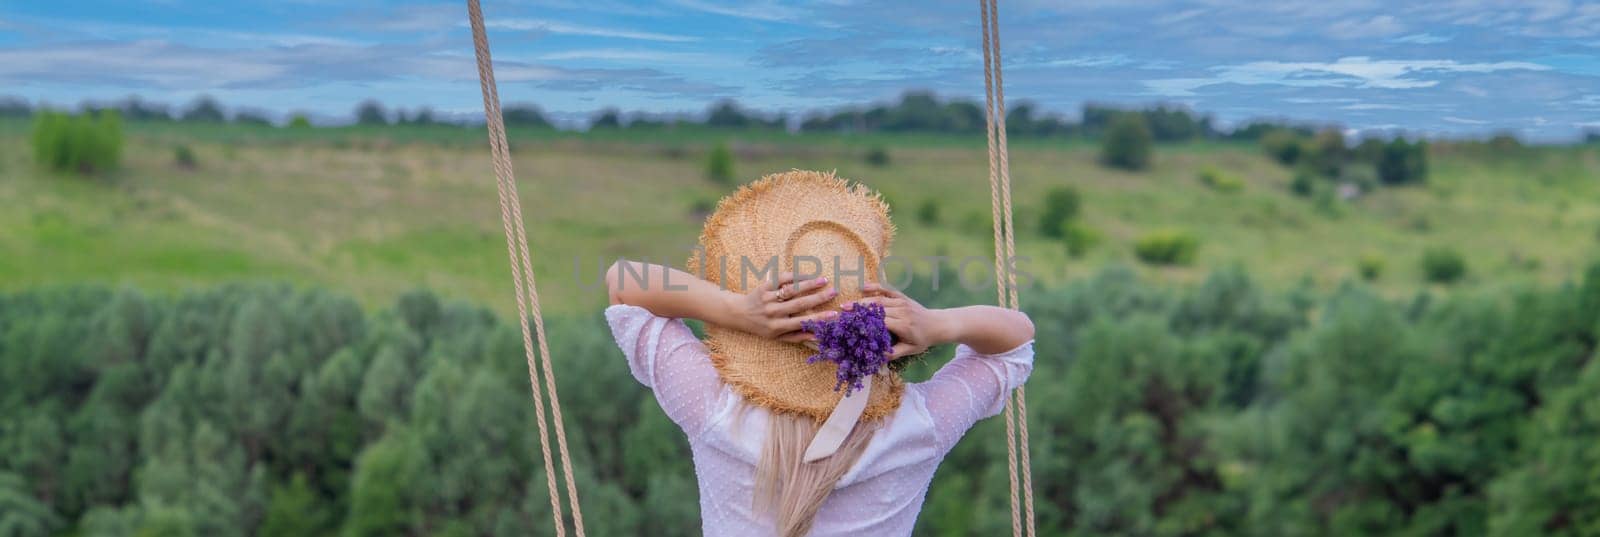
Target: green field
(376,211)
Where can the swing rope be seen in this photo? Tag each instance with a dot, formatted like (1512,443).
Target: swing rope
(527,295)
(1005,254)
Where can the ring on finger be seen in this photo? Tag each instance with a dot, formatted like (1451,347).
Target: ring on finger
(783,294)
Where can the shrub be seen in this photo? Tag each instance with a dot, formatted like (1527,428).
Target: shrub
(609,118)
(1079,238)
(1369,150)
(1504,142)
(702,207)
(1443,265)
(1127,143)
(877,156)
(978,223)
(525,116)
(1327,153)
(1220,181)
(1303,184)
(1060,208)
(204,109)
(371,112)
(1328,202)
(1167,247)
(300,121)
(184,157)
(928,212)
(719,165)
(1370,267)
(1283,146)
(1403,162)
(1362,175)
(84,143)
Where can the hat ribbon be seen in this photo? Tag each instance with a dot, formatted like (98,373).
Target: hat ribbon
(838,425)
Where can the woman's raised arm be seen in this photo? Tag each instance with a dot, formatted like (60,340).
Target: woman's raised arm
(986,329)
(769,310)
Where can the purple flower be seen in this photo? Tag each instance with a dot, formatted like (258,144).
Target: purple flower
(857,340)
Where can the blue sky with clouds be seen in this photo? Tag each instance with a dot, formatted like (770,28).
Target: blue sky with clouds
(1455,66)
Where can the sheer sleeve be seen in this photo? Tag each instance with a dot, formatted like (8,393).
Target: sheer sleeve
(973,387)
(665,356)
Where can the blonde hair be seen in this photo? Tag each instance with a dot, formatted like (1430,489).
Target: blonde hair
(794,490)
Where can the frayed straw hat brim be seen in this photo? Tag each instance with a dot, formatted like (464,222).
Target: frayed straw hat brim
(807,222)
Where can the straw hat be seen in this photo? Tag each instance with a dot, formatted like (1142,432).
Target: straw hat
(812,223)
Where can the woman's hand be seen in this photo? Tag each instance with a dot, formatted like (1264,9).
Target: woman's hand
(917,327)
(772,309)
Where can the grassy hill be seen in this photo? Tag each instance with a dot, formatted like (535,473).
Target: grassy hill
(379,211)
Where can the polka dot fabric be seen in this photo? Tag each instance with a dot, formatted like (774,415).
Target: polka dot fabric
(880,496)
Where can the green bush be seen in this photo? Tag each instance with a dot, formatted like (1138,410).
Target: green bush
(928,212)
(1362,175)
(1127,143)
(1079,238)
(1328,203)
(1221,181)
(1167,247)
(702,207)
(877,156)
(978,223)
(1370,267)
(719,165)
(1061,205)
(1327,153)
(300,121)
(1283,146)
(1403,162)
(184,157)
(83,143)
(371,112)
(1443,265)
(1304,184)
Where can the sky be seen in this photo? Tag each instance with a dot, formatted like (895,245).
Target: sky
(1452,67)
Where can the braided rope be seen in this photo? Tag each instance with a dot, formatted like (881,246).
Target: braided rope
(517,252)
(1016,415)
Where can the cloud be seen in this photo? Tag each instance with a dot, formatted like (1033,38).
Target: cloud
(1317,100)
(556,27)
(1179,16)
(1178,87)
(634,55)
(834,51)
(1377,26)
(1349,72)
(649,81)
(1422,39)
(1464,121)
(1541,19)
(758,11)
(166,65)
(109,31)
(435,17)
(137,64)
(1094,60)
(1375,106)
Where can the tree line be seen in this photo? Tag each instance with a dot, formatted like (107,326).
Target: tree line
(1221,409)
(916,111)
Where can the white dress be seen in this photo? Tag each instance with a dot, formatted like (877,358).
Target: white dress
(880,496)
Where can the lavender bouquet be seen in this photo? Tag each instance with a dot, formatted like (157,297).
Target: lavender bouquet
(857,340)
